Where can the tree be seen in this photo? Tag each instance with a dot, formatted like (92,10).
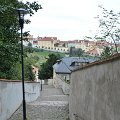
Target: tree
(76,52)
(80,52)
(29,75)
(46,70)
(107,52)
(109,26)
(29,48)
(29,44)
(10,49)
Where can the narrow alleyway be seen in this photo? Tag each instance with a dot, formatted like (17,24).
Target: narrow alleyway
(51,105)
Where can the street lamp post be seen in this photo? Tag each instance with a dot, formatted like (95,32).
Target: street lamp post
(41,84)
(21,13)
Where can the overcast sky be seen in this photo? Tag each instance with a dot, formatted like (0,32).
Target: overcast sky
(68,19)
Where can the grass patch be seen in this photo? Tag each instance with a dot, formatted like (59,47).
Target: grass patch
(40,57)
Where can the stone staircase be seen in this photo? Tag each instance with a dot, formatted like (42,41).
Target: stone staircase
(51,105)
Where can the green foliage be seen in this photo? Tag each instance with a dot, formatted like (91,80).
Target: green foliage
(29,75)
(28,49)
(76,52)
(107,52)
(39,56)
(29,44)
(109,26)
(9,55)
(46,70)
(10,50)
(80,52)
(16,71)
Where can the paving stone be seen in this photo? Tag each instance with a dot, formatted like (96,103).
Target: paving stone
(52,104)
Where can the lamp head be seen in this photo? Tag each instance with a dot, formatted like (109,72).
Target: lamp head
(21,12)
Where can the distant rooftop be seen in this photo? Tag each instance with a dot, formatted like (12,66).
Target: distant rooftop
(47,38)
(65,64)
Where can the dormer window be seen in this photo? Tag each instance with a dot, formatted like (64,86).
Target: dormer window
(72,64)
(77,63)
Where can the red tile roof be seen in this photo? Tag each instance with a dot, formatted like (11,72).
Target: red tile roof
(47,38)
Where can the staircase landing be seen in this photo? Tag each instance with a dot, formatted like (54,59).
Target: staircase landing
(52,104)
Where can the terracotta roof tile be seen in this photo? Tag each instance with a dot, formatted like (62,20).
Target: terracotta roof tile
(47,38)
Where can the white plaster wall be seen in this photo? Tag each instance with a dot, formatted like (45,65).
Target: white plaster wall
(11,96)
(32,91)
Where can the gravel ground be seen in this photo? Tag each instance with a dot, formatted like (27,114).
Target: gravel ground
(52,104)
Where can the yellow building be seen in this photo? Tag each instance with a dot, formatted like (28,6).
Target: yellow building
(47,42)
(85,45)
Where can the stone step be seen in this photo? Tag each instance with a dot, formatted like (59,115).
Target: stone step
(47,86)
(52,110)
(55,98)
(43,110)
(51,91)
(52,104)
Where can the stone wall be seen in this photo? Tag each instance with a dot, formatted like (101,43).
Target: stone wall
(95,91)
(59,83)
(11,96)
(65,88)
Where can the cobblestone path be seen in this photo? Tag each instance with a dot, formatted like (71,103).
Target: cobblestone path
(51,105)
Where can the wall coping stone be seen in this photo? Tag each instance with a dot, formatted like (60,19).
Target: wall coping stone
(99,62)
(6,80)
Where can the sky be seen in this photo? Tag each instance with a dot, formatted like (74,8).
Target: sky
(68,19)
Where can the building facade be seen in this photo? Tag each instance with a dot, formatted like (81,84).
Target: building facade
(53,44)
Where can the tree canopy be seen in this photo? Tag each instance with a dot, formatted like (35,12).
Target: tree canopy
(46,70)
(109,26)
(107,52)
(76,52)
(10,49)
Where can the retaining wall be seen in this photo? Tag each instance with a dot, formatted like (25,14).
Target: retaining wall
(59,83)
(11,96)
(95,91)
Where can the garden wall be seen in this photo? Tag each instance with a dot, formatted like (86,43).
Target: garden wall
(11,96)
(95,91)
